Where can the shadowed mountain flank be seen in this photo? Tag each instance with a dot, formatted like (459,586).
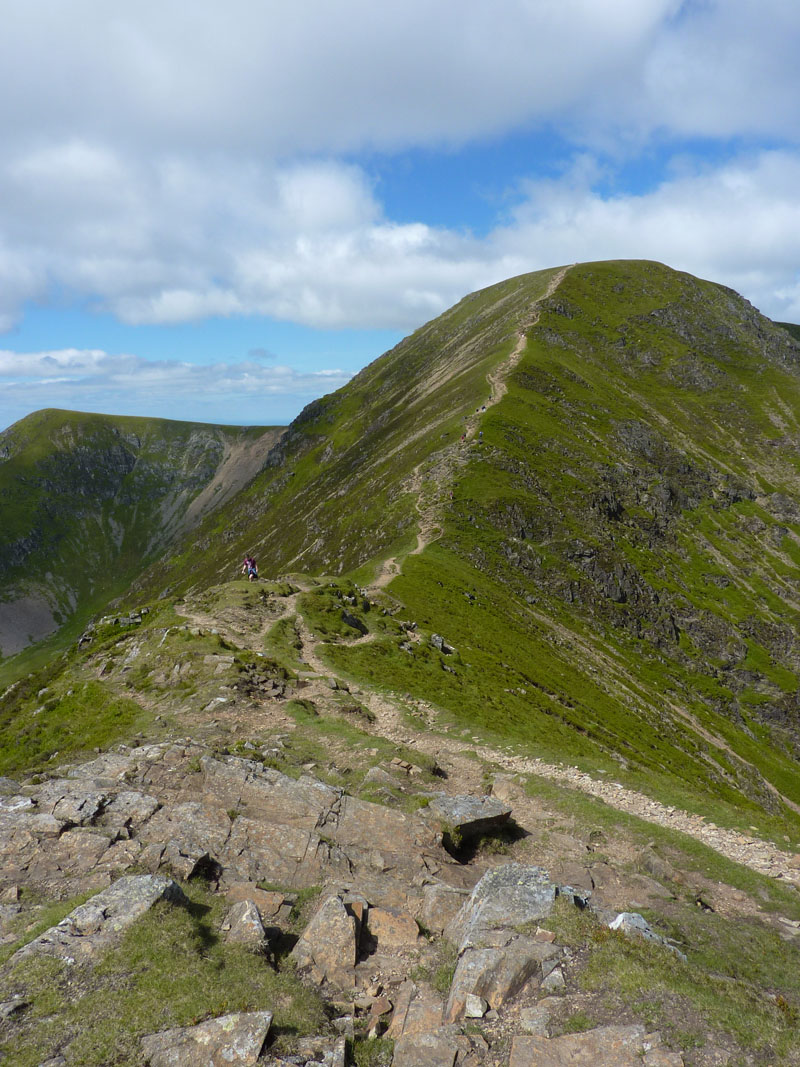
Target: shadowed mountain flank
(87,500)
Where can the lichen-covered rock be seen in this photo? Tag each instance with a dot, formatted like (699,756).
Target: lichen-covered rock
(229,1040)
(98,923)
(328,946)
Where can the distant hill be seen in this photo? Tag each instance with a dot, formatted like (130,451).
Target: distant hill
(87,500)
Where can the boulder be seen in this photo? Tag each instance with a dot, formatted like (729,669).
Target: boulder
(425,1050)
(242,926)
(440,905)
(467,816)
(328,946)
(99,922)
(272,907)
(507,896)
(496,973)
(229,1040)
(391,928)
(416,1011)
(495,961)
(611,1046)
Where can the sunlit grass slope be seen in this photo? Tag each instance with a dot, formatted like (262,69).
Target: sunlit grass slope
(618,562)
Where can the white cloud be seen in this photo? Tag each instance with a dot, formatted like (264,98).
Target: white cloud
(738,224)
(168,162)
(130,384)
(319,77)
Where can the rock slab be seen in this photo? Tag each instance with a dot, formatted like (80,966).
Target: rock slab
(229,1040)
(611,1046)
(99,922)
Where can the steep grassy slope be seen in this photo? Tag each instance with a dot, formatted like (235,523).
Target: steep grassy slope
(616,554)
(86,500)
(336,493)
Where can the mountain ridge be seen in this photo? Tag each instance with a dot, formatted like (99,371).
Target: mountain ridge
(88,498)
(524,635)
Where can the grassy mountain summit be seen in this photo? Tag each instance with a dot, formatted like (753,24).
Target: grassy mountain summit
(86,500)
(613,548)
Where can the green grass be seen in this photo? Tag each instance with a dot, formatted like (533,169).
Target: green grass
(65,724)
(750,991)
(171,969)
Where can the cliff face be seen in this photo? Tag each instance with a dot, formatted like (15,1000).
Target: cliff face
(87,500)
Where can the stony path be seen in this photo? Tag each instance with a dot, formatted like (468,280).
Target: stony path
(457,757)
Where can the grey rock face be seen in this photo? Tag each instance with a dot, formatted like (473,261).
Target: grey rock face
(495,962)
(506,896)
(230,1039)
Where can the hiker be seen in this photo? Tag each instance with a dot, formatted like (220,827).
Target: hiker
(252,571)
(246,565)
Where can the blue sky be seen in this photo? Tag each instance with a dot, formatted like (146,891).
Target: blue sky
(220,212)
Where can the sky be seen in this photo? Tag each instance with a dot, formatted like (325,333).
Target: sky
(219,212)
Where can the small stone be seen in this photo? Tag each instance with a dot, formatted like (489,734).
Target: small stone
(475,1007)
(380,1006)
(543,935)
(554,982)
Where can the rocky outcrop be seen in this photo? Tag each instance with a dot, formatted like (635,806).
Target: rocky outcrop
(230,1040)
(495,959)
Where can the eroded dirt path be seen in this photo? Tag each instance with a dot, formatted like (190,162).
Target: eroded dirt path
(431,482)
(415,725)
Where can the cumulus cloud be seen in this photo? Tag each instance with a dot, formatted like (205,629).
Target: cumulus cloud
(167,163)
(129,384)
(738,224)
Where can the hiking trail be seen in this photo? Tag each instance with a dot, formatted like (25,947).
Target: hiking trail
(432,480)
